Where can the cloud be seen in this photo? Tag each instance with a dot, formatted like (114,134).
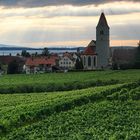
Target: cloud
(67,21)
(42,3)
(68,10)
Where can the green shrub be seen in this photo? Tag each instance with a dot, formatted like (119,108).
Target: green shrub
(135,94)
(32,88)
(2,129)
(113,96)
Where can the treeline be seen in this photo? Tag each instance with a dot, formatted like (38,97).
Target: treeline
(126,58)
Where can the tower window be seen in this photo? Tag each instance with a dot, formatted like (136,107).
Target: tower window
(101,32)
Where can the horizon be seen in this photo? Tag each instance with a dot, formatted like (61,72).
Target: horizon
(51,47)
(67,23)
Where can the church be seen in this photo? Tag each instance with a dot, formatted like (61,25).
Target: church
(96,55)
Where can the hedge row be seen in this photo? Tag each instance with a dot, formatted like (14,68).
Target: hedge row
(34,88)
(125,95)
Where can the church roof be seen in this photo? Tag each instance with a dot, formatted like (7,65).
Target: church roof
(92,43)
(102,21)
(90,49)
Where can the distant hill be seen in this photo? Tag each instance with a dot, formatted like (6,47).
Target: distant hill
(51,48)
(12,47)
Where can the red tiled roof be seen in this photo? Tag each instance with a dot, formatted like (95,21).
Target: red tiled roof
(9,59)
(90,49)
(40,61)
(69,55)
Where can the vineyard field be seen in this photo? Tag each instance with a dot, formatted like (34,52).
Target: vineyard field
(108,109)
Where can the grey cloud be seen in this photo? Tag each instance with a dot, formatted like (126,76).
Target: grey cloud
(121,32)
(42,3)
(66,11)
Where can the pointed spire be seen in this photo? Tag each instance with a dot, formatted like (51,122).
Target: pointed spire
(102,20)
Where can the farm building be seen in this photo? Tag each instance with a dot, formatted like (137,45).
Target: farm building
(40,64)
(11,64)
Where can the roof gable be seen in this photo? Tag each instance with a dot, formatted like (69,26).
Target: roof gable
(90,49)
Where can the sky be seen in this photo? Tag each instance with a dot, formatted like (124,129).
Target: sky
(41,23)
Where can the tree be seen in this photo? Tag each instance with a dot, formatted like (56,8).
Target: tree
(45,52)
(24,53)
(36,54)
(78,50)
(13,68)
(78,64)
(0,68)
(137,57)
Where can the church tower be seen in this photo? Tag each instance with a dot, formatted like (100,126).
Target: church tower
(102,42)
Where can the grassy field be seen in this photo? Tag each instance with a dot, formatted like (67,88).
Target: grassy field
(100,111)
(69,77)
(64,81)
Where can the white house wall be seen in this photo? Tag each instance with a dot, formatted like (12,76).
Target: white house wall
(66,63)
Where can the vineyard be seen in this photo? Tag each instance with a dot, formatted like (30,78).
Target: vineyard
(80,106)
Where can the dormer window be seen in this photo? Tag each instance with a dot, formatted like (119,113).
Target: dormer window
(101,32)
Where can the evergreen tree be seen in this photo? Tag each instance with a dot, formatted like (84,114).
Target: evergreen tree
(0,67)
(13,68)
(24,53)
(45,52)
(78,50)
(78,64)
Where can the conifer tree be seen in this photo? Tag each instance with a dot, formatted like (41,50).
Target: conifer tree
(45,52)
(79,64)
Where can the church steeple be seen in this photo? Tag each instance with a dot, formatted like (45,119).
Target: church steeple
(102,42)
(102,21)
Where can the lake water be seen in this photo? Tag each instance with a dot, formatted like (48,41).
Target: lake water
(15,52)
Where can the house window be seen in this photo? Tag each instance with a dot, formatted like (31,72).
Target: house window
(69,62)
(89,61)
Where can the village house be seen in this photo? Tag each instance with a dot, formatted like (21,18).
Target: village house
(67,61)
(40,64)
(5,62)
